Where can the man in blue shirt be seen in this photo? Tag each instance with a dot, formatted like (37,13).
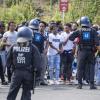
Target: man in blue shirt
(40,40)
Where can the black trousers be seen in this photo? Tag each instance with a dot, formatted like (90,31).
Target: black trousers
(9,73)
(1,71)
(67,62)
(86,73)
(61,64)
(86,58)
(19,78)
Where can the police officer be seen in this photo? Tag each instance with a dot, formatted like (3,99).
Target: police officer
(34,25)
(88,42)
(24,58)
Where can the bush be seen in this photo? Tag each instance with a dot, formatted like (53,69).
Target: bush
(18,13)
(22,10)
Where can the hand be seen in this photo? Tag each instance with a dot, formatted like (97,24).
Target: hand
(7,44)
(62,50)
(75,55)
(45,51)
(59,51)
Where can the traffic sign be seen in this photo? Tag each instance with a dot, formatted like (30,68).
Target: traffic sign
(63,5)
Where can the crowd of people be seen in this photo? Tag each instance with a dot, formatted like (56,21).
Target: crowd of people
(59,47)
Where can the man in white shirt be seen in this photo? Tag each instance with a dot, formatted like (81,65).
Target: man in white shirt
(67,54)
(9,38)
(54,54)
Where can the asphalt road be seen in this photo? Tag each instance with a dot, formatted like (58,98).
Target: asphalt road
(57,92)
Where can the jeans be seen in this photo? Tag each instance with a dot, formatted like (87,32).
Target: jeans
(3,58)
(54,66)
(97,70)
(43,66)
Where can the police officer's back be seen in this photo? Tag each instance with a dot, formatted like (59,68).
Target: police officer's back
(88,41)
(24,58)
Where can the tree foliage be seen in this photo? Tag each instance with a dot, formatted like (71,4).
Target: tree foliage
(22,10)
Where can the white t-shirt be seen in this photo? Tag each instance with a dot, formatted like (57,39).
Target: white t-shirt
(69,45)
(11,38)
(98,32)
(55,40)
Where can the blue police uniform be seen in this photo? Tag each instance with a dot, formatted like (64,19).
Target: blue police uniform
(88,39)
(24,58)
(23,61)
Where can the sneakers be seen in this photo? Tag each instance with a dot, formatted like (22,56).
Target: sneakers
(79,86)
(67,82)
(85,83)
(93,87)
(4,83)
(43,83)
(56,82)
(51,82)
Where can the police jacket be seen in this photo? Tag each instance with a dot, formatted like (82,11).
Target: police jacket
(24,58)
(88,38)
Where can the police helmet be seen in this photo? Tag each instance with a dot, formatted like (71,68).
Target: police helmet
(38,19)
(34,24)
(84,21)
(24,34)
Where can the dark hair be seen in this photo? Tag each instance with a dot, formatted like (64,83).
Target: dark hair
(43,23)
(68,24)
(58,22)
(9,24)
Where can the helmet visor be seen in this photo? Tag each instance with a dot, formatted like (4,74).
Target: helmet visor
(21,40)
(33,27)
